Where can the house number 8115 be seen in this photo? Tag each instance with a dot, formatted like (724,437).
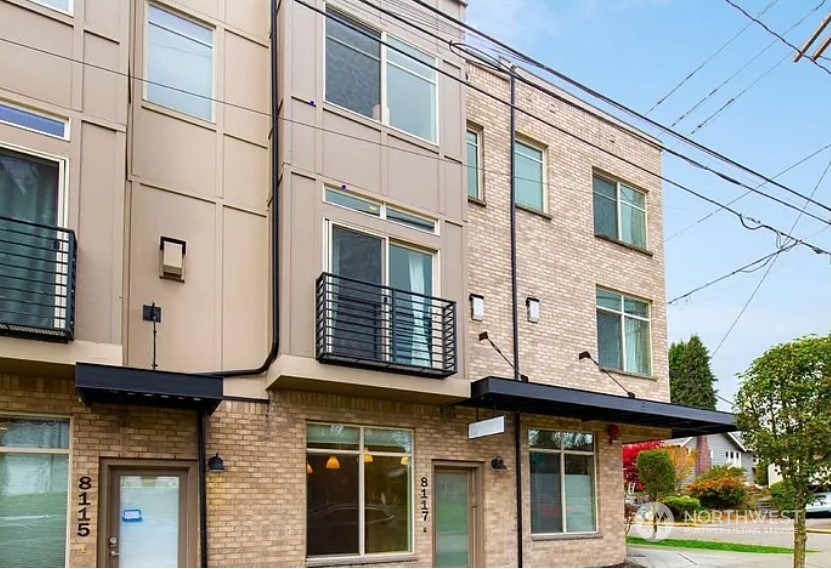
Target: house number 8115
(84,486)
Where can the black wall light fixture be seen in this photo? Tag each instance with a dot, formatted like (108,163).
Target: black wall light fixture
(215,464)
(498,464)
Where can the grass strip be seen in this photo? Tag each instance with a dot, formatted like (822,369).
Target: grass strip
(711,545)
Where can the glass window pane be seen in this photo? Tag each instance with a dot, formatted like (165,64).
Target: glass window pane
(452,547)
(413,338)
(422,64)
(473,164)
(546,493)
(636,307)
(545,439)
(580,514)
(332,515)
(412,103)
(529,176)
(388,440)
(179,64)
(414,221)
(605,216)
(609,299)
(605,188)
(353,67)
(609,340)
(638,358)
(338,437)
(387,510)
(62,5)
(632,225)
(633,197)
(34,433)
(33,510)
(157,500)
(34,121)
(353,202)
(578,441)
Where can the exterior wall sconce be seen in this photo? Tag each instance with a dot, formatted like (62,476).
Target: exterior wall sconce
(533,306)
(215,464)
(498,464)
(172,258)
(614,433)
(477,307)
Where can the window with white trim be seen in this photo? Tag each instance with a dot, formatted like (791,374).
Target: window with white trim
(563,484)
(34,465)
(64,6)
(619,212)
(623,332)
(396,85)
(474,165)
(380,209)
(179,63)
(530,175)
(358,490)
(30,120)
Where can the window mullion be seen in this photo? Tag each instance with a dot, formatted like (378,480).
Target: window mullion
(563,491)
(623,340)
(384,112)
(361,498)
(619,212)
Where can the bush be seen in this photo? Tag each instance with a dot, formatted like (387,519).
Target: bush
(780,498)
(720,493)
(679,505)
(722,471)
(656,472)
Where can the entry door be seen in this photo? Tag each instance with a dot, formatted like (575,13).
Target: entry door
(456,524)
(148,518)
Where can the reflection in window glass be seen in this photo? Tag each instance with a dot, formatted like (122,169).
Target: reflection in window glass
(619,212)
(387,505)
(623,333)
(529,176)
(411,220)
(353,66)
(411,90)
(332,514)
(32,121)
(352,202)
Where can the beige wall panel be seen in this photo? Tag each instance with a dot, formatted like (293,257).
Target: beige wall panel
(246,84)
(306,262)
(100,204)
(104,17)
(351,161)
(301,151)
(454,193)
(413,174)
(245,285)
(174,153)
(250,16)
(210,8)
(306,48)
(186,337)
(451,120)
(246,179)
(102,89)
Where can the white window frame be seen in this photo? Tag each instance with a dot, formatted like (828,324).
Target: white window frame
(50,116)
(619,205)
(563,503)
(477,132)
(70,499)
(146,64)
(383,209)
(361,489)
(69,11)
(623,315)
(384,61)
(520,140)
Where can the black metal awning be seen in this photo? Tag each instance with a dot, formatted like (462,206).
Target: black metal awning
(131,386)
(541,399)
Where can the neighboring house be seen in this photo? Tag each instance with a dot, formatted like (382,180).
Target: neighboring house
(721,449)
(249,256)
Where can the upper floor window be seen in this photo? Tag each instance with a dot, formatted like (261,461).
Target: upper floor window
(404,96)
(179,63)
(59,5)
(37,122)
(474,168)
(619,212)
(530,176)
(623,332)
(380,209)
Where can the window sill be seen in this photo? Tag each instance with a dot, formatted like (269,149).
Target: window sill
(535,211)
(477,201)
(628,373)
(624,244)
(381,126)
(565,536)
(357,560)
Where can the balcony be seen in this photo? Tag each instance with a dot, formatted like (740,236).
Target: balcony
(372,326)
(37,281)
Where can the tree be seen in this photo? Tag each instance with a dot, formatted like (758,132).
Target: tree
(683,461)
(657,475)
(691,380)
(630,454)
(784,412)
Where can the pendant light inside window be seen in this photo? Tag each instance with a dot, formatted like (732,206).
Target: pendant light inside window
(333,463)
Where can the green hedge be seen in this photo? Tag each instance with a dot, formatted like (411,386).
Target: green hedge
(679,505)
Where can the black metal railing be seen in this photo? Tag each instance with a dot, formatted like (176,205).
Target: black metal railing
(37,280)
(379,327)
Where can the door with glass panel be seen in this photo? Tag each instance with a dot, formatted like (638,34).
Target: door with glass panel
(381,298)
(455,527)
(148,522)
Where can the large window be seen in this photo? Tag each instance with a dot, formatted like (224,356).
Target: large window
(619,212)
(623,335)
(358,490)
(179,63)
(562,482)
(474,167)
(530,176)
(34,456)
(404,96)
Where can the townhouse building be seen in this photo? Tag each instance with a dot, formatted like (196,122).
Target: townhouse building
(257,275)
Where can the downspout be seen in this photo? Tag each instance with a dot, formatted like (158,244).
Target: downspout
(202,420)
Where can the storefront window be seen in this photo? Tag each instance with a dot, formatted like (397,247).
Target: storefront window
(34,458)
(358,490)
(562,482)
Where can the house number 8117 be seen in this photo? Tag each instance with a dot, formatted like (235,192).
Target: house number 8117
(425,500)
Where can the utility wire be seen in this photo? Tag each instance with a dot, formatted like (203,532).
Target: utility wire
(704,63)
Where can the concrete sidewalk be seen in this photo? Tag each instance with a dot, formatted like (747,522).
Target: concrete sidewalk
(677,557)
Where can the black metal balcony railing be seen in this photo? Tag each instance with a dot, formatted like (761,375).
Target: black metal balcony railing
(37,281)
(378,327)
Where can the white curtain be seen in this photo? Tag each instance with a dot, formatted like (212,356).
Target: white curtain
(421,311)
(637,346)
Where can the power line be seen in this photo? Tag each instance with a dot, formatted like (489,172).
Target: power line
(704,63)
(774,33)
(606,99)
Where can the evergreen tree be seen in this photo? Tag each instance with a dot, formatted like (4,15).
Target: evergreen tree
(691,382)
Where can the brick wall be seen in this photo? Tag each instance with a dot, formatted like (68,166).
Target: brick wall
(560,261)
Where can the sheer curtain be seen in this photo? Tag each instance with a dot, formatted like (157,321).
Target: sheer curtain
(637,346)
(420,354)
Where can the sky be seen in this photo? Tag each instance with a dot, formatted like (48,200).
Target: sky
(636,51)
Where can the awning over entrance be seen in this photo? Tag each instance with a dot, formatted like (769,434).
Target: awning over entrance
(130,386)
(537,398)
